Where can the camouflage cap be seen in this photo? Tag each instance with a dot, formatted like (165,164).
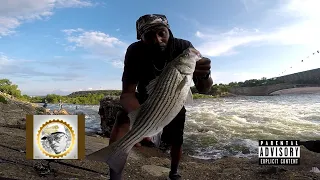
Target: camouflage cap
(147,22)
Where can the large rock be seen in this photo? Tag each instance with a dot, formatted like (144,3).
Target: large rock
(109,107)
(60,112)
(13,112)
(44,111)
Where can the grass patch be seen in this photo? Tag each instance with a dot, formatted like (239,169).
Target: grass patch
(202,96)
(3,100)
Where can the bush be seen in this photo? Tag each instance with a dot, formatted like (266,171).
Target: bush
(3,99)
(202,96)
(7,87)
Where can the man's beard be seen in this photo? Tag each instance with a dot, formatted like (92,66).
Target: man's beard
(162,48)
(158,47)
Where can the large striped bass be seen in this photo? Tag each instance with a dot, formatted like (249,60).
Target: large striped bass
(168,93)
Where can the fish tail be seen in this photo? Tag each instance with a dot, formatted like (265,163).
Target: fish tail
(114,155)
(101,155)
(118,161)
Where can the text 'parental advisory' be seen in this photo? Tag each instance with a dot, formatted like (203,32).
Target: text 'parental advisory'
(279,152)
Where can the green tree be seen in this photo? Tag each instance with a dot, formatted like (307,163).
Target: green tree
(7,87)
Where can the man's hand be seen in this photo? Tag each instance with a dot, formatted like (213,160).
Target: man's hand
(203,67)
(201,75)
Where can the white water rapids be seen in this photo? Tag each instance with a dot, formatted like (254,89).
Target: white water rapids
(232,126)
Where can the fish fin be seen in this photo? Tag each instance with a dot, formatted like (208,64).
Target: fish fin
(116,161)
(189,100)
(182,83)
(156,139)
(150,87)
(101,155)
(133,116)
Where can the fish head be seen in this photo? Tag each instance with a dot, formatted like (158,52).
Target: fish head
(186,62)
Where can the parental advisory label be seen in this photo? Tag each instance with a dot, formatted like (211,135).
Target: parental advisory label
(279,152)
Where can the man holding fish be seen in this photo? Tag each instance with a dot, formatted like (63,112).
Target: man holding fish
(154,107)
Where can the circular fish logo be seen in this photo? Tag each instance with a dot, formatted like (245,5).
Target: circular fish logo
(55,138)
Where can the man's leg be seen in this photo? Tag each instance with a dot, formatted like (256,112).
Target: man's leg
(120,128)
(175,152)
(173,134)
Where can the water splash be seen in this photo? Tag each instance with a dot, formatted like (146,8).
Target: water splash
(232,126)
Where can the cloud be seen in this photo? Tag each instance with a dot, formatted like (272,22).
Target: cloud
(224,43)
(117,63)
(73,3)
(62,62)
(70,31)
(24,69)
(99,44)
(44,92)
(303,29)
(248,4)
(14,13)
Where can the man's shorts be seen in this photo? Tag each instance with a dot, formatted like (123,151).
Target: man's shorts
(173,133)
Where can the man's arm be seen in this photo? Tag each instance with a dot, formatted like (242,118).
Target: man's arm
(203,85)
(201,75)
(130,79)
(128,98)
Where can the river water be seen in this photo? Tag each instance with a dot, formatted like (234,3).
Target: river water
(232,126)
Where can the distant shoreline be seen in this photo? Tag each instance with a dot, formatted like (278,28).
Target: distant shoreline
(302,90)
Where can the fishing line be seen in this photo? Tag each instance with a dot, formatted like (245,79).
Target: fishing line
(55,161)
(302,61)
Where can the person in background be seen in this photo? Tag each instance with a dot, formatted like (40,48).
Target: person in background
(60,104)
(45,103)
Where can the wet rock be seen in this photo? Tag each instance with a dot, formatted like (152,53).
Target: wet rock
(203,130)
(109,107)
(79,112)
(42,110)
(156,171)
(246,151)
(55,112)
(47,111)
(63,112)
(58,112)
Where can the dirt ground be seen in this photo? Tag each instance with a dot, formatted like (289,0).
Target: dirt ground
(145,164)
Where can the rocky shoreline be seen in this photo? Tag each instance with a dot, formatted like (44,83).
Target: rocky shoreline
(143,163)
